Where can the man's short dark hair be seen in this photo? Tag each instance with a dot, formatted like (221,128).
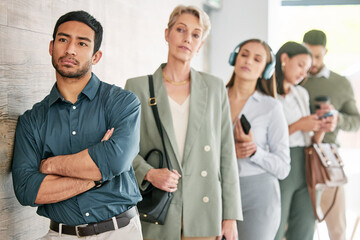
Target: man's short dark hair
(84,17)
(315,37)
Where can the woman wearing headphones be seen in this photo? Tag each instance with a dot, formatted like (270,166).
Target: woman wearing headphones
(195,115)
(293,61)
(263,153)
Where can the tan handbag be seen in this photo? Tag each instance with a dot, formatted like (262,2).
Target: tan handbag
(324,169)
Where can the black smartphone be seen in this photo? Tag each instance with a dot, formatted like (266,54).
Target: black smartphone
(245,124)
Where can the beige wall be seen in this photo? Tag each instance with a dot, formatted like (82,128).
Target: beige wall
(133,45)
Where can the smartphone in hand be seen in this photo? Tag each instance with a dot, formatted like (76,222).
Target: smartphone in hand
(245,124)
(328,114)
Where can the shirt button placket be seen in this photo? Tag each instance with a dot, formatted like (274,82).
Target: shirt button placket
(74,108)
(74,126)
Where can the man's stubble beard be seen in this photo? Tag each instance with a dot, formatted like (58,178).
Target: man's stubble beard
(78,74)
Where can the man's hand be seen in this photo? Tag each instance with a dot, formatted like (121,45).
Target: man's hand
(329,123)
(108,134)
(46,166)
(324,108)
(228,230)
(163,179)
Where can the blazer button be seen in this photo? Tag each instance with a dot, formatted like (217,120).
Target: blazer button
(205,199)
(207,148)
(204,173)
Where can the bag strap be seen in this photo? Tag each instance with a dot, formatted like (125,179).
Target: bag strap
(312,190)
(312,193)
(153,104)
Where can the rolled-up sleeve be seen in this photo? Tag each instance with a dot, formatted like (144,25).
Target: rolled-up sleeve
(116,155)
(25,166)
(277,160)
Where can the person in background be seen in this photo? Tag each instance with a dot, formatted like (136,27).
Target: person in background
(74,150)
(323,82)
(262,154)
(195,115)
(293,61)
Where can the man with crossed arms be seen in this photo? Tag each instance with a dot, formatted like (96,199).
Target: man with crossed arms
(74,150)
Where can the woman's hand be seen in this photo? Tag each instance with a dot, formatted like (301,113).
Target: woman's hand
(239,134)
(245,149)
(309,123)
(228,230)
(244,143)
(163,179)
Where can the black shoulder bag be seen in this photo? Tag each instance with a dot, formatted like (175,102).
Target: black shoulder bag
(155,204)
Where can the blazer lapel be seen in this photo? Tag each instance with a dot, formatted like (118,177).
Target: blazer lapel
(164,111)
(198,102)
(304,111)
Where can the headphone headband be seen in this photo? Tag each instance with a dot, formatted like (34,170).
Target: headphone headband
(269,68)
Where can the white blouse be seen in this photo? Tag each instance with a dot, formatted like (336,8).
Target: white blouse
(271,136)
(296,105)
(180,117)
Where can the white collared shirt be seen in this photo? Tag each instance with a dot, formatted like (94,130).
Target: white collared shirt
(325,72)
(271,136)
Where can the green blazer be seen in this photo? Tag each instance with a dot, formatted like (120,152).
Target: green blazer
(208,190)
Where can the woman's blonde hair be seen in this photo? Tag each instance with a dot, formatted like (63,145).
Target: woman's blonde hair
(204,19)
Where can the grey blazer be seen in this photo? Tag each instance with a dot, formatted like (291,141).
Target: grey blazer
(208,190)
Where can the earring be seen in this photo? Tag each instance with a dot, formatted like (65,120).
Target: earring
(282,66)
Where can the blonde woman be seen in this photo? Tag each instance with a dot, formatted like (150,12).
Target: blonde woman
(195,115)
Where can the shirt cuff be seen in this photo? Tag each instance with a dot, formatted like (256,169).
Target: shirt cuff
(258,156)
(140,175)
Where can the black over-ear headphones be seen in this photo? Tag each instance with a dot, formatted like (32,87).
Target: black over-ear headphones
(269,68)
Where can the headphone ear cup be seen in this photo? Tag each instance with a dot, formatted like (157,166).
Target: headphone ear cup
(232,58)
(269,70)
(270,67)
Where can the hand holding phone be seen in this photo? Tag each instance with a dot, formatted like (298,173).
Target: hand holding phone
(245,124)
(319,100)
(328,114)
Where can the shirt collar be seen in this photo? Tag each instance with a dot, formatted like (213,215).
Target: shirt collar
(90,90)
(92,87)
(257,95)
(325,72)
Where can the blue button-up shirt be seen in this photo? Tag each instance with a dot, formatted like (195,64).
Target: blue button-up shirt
(57,127)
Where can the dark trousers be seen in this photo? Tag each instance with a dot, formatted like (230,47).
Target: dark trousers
(297,217)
